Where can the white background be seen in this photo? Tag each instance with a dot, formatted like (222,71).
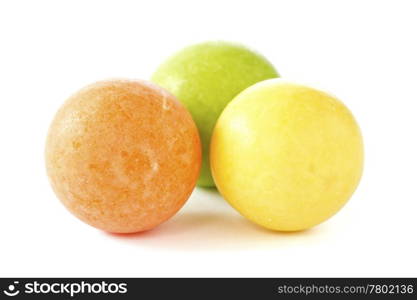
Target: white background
(362,51)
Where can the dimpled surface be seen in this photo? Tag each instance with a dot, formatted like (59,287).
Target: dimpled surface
(123,156)
(286,156)
(205,77)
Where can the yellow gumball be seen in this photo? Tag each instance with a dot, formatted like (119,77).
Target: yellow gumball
(286,156)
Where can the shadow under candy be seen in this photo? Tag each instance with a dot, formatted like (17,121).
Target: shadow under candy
(207,222)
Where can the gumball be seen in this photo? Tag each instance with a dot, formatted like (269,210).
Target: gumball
(123,155)
(205,77)
(286,156)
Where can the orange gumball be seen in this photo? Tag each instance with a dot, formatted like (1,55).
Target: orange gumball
(123,156)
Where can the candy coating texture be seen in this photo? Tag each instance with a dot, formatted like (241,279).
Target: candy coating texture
(286,156)
(123,156)
(205,77)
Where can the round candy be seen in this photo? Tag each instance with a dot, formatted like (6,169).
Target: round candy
(286,156)
(123,156)
(205,77)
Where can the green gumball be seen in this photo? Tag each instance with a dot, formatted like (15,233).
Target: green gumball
(205,78)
